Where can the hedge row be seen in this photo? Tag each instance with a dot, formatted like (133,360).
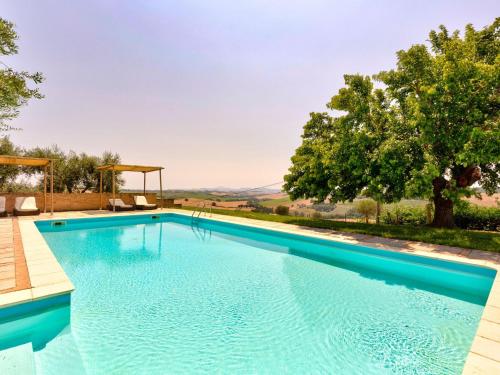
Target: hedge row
(466,217)
(480,218)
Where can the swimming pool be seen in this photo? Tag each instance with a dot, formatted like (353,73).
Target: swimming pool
(160,294)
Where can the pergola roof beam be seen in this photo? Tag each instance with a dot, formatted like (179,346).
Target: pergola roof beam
(129,168)
(24,161)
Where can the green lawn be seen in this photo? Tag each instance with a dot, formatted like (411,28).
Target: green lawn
(276,202)
(488,241)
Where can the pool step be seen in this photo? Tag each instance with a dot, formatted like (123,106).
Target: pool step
(18,360)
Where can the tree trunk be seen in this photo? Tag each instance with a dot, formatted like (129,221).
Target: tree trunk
(443,207)
(443,213)
(377,216)
(428,213)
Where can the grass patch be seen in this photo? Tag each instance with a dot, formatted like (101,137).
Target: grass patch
(488,241)
(271,203)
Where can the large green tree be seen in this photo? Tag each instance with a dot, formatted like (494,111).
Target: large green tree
(431,130)
(15,87)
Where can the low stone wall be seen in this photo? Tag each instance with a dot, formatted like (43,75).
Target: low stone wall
(168,203)
(74,201)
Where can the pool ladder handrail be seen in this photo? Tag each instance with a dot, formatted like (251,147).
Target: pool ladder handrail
(202,236)
(201,209)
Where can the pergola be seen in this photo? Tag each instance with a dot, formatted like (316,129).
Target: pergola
(35,162)
(128,168)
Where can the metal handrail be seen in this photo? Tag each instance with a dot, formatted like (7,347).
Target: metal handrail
(200,210)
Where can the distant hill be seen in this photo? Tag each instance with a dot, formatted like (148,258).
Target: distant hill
(218,194)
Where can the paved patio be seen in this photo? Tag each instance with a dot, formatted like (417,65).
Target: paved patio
(13,269)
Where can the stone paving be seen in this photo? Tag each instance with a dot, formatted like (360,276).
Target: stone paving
(13,270)
(7,260)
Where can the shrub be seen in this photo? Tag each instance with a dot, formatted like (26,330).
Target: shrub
(331,216)
(282,210)
(466,216)
(323,207)
(479,218)
(316,215)
(352,213)
(256,207)
(405,215)
(367,208)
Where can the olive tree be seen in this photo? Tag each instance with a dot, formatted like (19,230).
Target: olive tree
(8,173)
(367,208)
(76,172)
(15,89)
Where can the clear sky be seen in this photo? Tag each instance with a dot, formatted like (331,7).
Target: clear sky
(216,91)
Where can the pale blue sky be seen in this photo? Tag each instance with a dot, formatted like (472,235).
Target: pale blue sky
(216,91)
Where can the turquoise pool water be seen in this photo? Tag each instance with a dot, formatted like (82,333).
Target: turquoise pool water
(160,296)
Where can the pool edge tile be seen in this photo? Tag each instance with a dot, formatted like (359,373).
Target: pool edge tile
(52,290)
(476,364)
(492,314)
(486,348)
(489,330)
(15,298)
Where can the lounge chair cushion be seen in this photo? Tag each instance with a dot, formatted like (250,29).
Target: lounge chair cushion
(25,204)
(142,204)
(140,200)
(119,203)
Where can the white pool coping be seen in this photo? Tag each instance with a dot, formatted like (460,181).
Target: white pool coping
(48,278)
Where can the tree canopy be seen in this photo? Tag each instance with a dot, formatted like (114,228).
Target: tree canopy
(15,87)
(72,172)
(429,129)
(8,173)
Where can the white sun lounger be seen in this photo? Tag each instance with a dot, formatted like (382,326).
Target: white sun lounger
(3,210)
(119,205)
(142,204)
(26,206)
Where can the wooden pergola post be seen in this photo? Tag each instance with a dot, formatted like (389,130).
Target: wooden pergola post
(113,184)
(52,187)
(45,189)
(100,190)
(144,185)
(161,191)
